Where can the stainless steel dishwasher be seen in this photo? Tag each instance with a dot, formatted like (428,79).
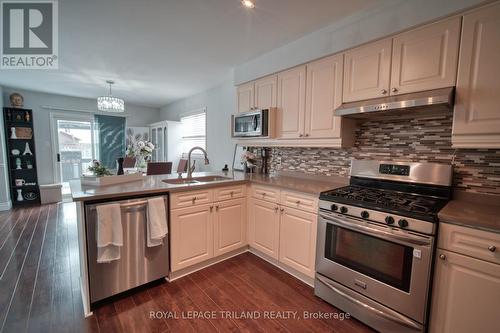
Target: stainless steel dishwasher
(138,264)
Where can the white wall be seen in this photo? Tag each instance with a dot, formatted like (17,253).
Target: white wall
(4,183)
(136,116)
(382,20)
(220,103)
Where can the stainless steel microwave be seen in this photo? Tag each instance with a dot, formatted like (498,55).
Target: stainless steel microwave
(255,123)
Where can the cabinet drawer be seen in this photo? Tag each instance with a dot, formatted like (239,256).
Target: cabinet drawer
(266,193)
(300,201)
(229,192)
(471,242)
(190,198)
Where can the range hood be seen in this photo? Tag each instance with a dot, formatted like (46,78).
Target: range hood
(437,98)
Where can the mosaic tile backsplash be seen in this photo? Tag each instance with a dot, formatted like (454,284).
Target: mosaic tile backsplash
(419,138)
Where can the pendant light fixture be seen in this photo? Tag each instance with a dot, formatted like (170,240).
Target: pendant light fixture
(110,103)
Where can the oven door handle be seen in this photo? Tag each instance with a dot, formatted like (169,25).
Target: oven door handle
(399,319)
(407,238)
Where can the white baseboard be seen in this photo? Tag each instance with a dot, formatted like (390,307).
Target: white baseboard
(5,205)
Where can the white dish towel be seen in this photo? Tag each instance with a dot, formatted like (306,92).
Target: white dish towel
(157,227)
(109,232)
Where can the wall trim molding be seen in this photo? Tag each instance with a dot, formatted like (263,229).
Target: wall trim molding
(5,205)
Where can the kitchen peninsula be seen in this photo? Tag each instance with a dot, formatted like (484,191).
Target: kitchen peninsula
(221,214)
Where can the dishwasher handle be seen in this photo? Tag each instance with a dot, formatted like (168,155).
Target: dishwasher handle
(126,204)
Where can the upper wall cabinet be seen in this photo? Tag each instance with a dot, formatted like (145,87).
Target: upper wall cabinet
(476,122)
(291,102)
(260,94)
(323,96)
(425,58)
(367,71)
(265,92)
(245,99)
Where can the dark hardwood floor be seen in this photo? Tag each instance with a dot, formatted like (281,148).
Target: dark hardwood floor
(40,289)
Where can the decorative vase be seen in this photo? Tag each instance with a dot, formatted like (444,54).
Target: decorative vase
(20,195)
(140,163)
(13,133)
(119,161)
(27,150)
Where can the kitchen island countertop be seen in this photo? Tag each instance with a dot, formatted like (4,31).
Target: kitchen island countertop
(154,184)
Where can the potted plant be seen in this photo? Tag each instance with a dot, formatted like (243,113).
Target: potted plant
(99,170)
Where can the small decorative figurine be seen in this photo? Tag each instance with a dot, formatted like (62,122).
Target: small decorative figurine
(16,100)
(29,165)
(27,116)
(20,195)
(18,164)
(27,150)
(13,133)
(15,152)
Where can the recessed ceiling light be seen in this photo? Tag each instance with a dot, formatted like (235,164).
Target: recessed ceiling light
(248,4)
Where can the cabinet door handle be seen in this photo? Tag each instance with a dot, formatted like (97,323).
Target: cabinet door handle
(282,210)
(232,193)
(383,91)
(301,135)
(194,200)
(211,208)
(442,256)
(276,209)
(297,202)
(394,89)
(492,248)
(217,208)
(306,134)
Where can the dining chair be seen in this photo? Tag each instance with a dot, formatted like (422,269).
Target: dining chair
(159,168)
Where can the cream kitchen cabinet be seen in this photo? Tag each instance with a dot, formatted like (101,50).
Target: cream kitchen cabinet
(291,102)
(466,295)
(323,96)
(245,97)
(367,71)
(265,90)
(207,223)
(229,225)
(284,230)
(264,227)
(466,291)
(476,118)
(425,58)
(258,94)
(192,235)
(298,240)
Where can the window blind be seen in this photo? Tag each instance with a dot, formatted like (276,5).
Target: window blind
(194,131)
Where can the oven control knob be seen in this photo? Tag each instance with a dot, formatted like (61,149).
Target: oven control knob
(343,210)
(335,207)
(403,223)
(365,214)
(389,220)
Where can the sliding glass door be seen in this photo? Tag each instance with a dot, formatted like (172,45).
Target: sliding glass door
(74,142)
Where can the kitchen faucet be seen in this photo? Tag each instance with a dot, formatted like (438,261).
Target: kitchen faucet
(191,168)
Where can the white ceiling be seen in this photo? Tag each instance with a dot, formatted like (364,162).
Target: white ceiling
(161,50)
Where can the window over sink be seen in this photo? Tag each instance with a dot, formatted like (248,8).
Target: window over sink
(194,131)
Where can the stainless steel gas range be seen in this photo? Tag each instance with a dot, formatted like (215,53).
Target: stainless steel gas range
(376,241)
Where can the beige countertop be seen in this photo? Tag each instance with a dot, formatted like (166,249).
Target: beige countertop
(479,211)
(154,184)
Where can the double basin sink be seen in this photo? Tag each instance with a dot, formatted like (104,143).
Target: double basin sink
(196,180)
